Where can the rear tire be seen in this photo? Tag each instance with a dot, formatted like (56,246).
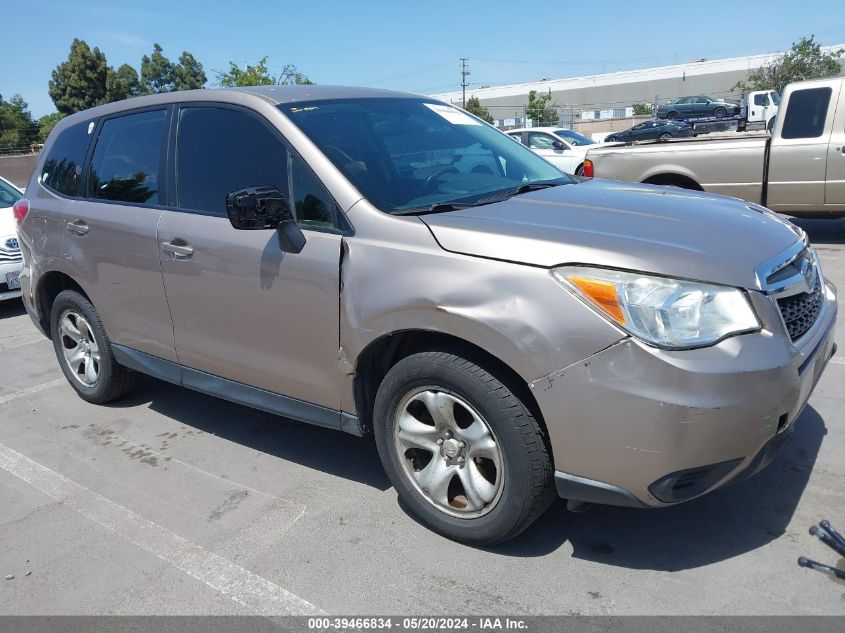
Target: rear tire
(665,137)
(463,452)
(84,350)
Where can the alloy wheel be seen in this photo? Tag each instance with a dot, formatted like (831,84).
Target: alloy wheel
(79,347)
(449,452)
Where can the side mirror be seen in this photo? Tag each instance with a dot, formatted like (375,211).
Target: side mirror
(558,145)
(265,207)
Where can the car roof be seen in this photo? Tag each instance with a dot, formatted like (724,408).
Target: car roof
(272,94)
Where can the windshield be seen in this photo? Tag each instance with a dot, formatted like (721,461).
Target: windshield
(8,195)
(411,153)
(574,138)
(775,97)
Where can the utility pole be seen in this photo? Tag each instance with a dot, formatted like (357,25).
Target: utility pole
(464,75)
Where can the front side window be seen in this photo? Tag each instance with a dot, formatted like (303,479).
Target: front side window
(806,113)
(409,154)
(221,150)
(761,99)
(312,205)
(62,171)
(127,157)
(540,141)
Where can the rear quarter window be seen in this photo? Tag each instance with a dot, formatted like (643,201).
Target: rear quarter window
(62,171)
(806,113)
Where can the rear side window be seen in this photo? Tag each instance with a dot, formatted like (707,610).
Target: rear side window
(62,170)
(806,113)
(220,150)
(127,157)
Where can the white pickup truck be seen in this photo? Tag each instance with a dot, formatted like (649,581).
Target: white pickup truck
(799,169)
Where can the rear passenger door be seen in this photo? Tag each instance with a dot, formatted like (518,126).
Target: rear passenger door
(109,235)
(243,309)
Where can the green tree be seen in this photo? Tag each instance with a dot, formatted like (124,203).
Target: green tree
(804,61)
(188,74)
(259,75)
(156,72)
(17,129)
(540,109)
(80,82)
(474,106)
(47,123)
(122,83)
(641,109)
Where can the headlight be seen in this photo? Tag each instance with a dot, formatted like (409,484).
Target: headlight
(665,312)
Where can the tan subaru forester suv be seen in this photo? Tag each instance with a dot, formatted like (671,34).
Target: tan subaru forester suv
(384,263)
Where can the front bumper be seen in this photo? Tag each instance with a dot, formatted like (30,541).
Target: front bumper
(637,426)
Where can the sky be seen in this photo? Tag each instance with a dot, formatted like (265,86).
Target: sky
(413,46)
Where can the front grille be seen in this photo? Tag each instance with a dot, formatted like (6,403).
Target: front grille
(801,311)
(8,255)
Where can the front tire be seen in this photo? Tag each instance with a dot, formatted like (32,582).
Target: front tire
(84,350)
(672,116)
(665,137)
(720,112)
(464,453)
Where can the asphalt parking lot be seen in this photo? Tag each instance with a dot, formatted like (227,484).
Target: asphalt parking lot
(172,502)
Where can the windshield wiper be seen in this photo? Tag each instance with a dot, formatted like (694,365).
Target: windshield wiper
(529,186)
(439,207)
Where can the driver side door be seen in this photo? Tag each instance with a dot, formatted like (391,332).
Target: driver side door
(249,318)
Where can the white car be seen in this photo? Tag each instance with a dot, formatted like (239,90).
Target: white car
(10,252)
(563,148)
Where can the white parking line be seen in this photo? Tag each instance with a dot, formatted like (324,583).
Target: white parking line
(30,390)
(838,360)
(241,585)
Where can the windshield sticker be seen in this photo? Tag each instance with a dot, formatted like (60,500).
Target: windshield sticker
(452,115)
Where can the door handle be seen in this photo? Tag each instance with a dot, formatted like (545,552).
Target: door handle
(77,227)
(177,251)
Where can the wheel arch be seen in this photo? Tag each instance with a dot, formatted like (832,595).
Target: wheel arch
(376,359)
(50,284)
(673,179)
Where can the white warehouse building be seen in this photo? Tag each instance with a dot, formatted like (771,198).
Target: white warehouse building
(612,95)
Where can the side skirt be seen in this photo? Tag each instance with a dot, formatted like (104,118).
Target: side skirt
(232,391)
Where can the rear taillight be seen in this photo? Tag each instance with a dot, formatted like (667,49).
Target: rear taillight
(588,168)
(20,209)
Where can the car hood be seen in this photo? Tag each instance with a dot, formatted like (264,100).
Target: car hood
(664,230)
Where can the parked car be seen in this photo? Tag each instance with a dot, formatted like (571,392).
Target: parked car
(10,252)
(564,148)
(651,130)
(698,106)
(799,169)
(504,336)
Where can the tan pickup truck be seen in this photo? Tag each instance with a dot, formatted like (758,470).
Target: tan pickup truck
(798,170)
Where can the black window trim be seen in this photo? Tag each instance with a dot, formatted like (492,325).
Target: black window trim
(344,226)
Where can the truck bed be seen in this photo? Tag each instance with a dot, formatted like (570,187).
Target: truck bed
(729,163)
